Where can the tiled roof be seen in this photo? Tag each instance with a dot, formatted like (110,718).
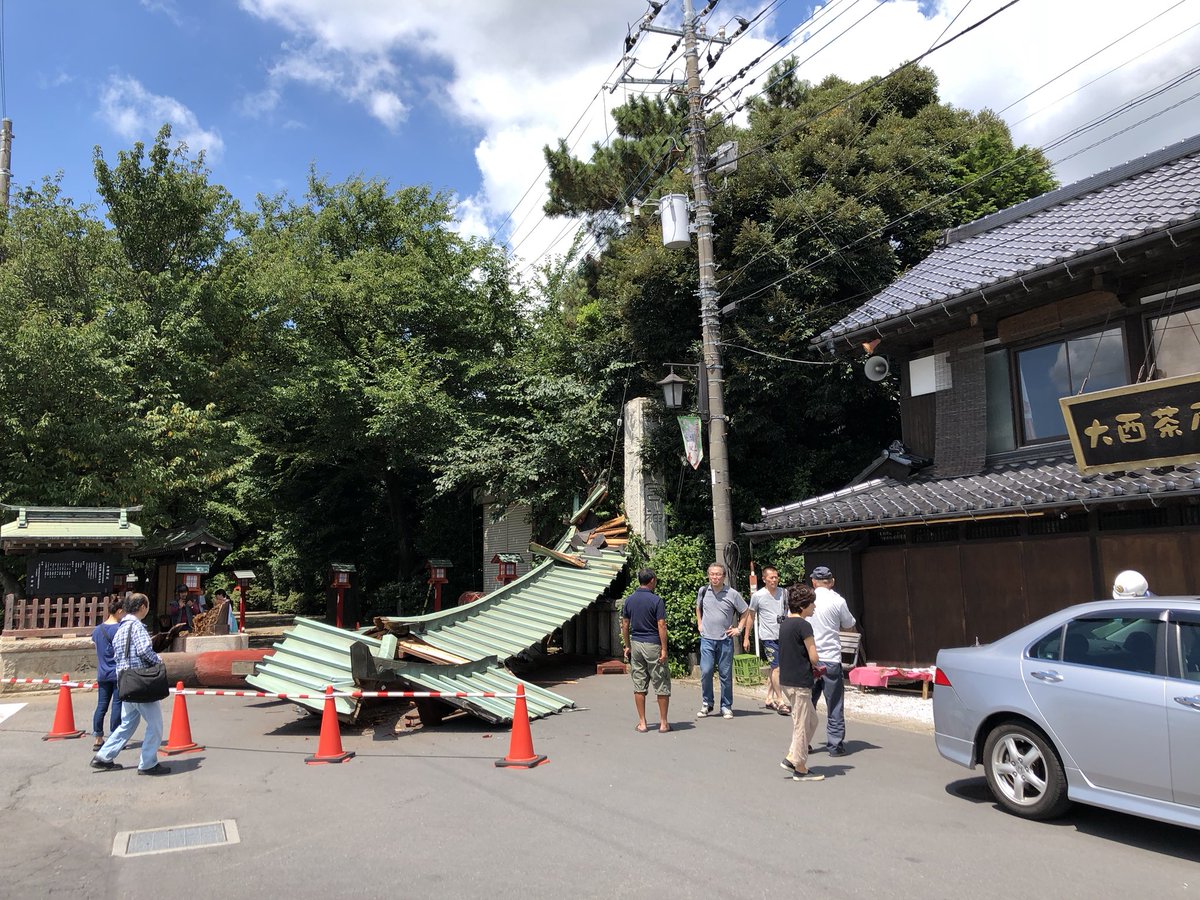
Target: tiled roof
(180,539)
(1147,195)
(1012,488)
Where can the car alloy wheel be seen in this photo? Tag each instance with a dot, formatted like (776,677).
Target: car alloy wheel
(1024,772)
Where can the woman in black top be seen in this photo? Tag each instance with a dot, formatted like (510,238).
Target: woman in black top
(797,659)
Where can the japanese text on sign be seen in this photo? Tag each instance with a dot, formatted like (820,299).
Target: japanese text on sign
(1157,423)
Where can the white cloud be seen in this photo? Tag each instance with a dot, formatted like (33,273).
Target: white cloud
(368,79)
(167,8)
(522,71)
(471,219)
(136,114)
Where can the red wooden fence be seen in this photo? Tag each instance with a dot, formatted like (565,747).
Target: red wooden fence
(53,616)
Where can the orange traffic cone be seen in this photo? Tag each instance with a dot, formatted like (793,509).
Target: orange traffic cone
(64,716)
(520,745)
(181,727)
(329,747)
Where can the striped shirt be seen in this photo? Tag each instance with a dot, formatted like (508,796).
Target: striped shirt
(141,651)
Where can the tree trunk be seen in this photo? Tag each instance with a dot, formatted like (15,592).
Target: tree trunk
(401,512)
(9,585)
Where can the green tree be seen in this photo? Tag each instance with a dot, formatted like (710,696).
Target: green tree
(382,335)
(839,186)
(82,419)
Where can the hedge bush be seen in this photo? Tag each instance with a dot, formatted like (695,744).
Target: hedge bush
(680,564)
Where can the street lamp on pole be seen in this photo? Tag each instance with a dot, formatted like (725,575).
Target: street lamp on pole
(672,388)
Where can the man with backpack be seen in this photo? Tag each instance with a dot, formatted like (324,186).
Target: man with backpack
(721,615)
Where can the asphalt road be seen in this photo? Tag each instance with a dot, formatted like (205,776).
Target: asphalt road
(702,811)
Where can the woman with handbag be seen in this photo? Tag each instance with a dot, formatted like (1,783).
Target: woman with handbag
(106,672)
(141,685)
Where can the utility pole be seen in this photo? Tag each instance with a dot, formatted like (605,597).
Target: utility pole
(710,323)
(6,137)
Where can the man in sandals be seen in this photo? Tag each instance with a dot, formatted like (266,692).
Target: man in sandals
(769,605)
(644,635)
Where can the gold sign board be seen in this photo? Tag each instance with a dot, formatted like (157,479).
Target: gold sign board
(1156,423)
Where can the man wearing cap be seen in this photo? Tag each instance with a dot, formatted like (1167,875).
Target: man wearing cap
(1131,585)
(831,616)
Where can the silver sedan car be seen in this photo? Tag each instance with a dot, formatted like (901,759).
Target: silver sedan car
(1098,703)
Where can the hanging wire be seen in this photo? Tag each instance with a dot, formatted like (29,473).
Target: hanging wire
(617,430)
(1095,353)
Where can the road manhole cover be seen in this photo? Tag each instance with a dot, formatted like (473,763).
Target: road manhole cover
(177,837)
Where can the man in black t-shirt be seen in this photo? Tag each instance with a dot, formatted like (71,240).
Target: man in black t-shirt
(644,634)
(797,657)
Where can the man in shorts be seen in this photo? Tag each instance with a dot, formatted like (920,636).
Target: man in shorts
(769,605)
(644,634)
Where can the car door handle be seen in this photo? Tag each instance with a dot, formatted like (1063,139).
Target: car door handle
(1047,675)
(1193,702)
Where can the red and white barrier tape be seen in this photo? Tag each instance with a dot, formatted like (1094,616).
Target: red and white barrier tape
(217,692)
(84,685)
(356,695)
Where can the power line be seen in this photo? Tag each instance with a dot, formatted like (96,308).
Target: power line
(942,147)
(537,178)
(892,74)
(745,28)
(1065,138)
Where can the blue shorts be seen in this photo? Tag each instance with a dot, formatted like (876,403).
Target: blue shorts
(772,648)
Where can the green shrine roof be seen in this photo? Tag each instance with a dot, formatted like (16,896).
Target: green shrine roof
(69,526)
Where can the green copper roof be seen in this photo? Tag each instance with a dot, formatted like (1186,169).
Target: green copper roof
(516,617)
(53,526)
(309,657)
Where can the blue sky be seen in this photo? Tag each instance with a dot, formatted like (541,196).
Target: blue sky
(463,95)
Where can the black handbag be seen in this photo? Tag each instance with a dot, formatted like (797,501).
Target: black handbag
(145,684)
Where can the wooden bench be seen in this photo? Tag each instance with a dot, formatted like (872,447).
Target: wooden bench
(851,647)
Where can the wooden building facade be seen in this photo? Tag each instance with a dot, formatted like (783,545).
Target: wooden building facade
(978,520)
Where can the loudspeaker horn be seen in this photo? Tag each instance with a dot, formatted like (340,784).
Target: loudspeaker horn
(876,368)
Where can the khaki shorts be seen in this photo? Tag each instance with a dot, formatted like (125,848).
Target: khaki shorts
(646,669)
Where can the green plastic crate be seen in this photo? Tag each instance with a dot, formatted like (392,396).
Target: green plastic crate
(747,669)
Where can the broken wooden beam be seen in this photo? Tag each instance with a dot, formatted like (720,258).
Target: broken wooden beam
(554,554)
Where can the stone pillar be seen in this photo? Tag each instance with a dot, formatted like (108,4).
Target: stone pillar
(645,491)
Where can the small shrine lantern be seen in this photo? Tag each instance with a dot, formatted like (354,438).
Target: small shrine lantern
(438,575)
(507,563)
(191,573)
(244,577)
(339,580)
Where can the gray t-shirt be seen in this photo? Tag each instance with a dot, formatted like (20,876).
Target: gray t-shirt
(719,611)
(768,607)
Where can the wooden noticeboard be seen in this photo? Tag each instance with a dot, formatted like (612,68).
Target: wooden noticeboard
(69,573)
(1137,426)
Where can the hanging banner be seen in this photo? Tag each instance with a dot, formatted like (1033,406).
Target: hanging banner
(693,446)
